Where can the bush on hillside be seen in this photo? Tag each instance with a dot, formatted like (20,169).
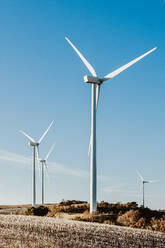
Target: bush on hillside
(128,214)
(71,202)
(118,208)
(158,224)
(38,211)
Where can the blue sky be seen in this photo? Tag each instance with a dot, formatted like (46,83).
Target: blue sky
(42,79)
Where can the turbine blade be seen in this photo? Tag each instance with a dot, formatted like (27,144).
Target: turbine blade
(49,152)
(47,174)
(87,64)
(124,67)
(39,141)
(153,181)
(46,167)
(97,95)
(140,176)
(27,136)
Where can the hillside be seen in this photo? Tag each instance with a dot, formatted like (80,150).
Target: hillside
(31,231)
(128,214)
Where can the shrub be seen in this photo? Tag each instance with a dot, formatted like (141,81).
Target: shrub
(118,208)
(158,224)
(141,223)
(71,202)
(38,211)
(129,218)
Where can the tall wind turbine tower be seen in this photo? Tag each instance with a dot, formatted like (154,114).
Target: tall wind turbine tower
(96,83)
(44,164)
(143,183)
(35,148)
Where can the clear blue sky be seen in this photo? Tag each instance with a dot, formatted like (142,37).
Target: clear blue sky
(42,79)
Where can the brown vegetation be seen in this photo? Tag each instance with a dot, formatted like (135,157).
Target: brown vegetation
(128,214)
(38,211)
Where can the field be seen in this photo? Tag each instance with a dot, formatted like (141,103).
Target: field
(60,228)
(31,231)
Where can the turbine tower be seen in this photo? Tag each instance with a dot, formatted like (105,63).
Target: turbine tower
(35,148)
(44,164)
(96,83)
(143,182)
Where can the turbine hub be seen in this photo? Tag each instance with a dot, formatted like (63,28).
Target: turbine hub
(92,80)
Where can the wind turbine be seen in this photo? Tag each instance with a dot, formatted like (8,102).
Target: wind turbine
(96,83)
(143,182)
(35,148)
(44,164)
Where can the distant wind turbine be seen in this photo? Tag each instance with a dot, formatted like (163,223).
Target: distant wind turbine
(143,182)
(44,164)
(35,148)
(96,83)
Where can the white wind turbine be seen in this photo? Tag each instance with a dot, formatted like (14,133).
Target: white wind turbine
(96,82)
(35,148)
(143,182)
(44,164)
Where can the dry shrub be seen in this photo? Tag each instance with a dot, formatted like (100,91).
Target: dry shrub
(162,225)
(73,207)
(158,224)
(66,208)
(118,208)
(141,223)
(38,211)
(129,218)
(71,202)
(143,218)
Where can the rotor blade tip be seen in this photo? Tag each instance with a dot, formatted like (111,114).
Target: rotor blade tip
(52,122)
(154,48)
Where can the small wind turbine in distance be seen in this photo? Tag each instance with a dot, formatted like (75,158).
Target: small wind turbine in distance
(96,83)
(44,164)
(35,148)
(143,182)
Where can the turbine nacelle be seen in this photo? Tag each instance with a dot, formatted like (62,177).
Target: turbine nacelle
(42,160)
(146,182)
(33,143)
(92,80)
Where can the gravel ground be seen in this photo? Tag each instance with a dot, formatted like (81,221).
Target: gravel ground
(18,231)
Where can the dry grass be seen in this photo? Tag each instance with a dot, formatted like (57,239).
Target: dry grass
(15,206)
(22,206)
(29,231)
